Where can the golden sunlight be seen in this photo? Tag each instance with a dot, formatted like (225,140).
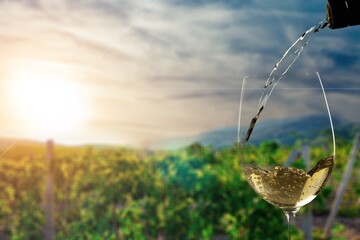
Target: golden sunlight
(47,104)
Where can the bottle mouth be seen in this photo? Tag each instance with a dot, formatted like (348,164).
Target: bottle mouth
(337,14)
(342,13)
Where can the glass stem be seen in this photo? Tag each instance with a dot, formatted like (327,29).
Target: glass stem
(290,217)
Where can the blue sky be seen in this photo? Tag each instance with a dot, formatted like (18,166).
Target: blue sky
(138,72)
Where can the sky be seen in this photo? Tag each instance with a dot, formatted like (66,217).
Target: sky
(140,72)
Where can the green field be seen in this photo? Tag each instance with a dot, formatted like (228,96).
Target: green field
(121,193)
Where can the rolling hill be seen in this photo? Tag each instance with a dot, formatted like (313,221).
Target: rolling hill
(284,131)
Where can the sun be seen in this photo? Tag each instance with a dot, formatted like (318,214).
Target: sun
(48,104)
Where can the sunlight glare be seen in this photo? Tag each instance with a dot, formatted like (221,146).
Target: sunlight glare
(47,104)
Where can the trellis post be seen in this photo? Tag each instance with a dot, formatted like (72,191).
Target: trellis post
(49,192)
(341,189)
(305,152)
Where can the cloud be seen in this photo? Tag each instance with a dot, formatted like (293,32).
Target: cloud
(227,3)
(174,69)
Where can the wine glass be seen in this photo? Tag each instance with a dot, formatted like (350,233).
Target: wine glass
(288,112)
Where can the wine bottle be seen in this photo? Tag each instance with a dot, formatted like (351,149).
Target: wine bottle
(342,13)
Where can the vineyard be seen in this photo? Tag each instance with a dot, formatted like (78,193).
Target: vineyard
(122,193)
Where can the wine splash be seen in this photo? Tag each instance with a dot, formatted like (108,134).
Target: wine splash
(289,188)
(281,68)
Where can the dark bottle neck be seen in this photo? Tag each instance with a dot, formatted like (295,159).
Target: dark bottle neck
(343,13)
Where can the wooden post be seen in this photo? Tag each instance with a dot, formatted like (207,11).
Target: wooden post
(49,193)
(295,154)
(305,152)
(340,191)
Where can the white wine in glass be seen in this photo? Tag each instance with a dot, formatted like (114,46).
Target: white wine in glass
(285,187)
(289,188)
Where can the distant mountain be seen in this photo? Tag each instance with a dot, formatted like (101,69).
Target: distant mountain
(284,131)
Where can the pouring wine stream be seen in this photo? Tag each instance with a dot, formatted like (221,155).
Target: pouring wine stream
(279,71)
